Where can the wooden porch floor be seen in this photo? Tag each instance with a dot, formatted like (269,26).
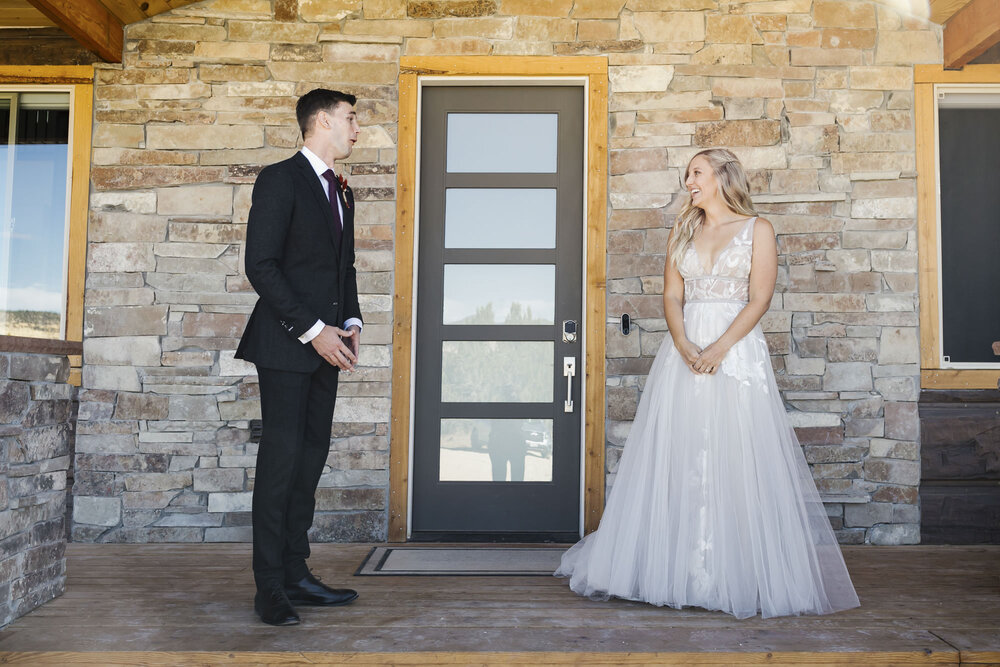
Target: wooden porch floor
(171,604)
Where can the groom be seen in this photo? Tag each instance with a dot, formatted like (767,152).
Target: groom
(304,330)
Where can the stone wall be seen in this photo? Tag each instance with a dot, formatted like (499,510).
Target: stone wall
(36,433)
(816,97)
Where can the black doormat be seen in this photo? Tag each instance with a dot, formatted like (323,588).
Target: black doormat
(477,561)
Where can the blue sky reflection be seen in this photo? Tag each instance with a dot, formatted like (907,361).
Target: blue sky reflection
(35,230)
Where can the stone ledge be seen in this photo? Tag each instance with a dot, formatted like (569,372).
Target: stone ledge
(40,345)
(807,197)
(846,498)
(360,39)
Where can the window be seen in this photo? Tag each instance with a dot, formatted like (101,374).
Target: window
(46,115)
(34,215)
(968,161)
(958,155)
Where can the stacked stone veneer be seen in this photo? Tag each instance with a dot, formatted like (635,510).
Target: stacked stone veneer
(816,97)
(36,435)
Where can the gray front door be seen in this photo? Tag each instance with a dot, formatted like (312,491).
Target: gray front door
(497,412)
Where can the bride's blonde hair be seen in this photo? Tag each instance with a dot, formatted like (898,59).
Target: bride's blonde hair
(735,193)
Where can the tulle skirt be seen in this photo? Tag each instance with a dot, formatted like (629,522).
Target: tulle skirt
(713,504)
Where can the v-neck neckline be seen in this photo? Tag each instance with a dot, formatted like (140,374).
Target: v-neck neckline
(711,269)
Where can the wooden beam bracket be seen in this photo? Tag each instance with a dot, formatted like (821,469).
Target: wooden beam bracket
(970,32)
(88,22)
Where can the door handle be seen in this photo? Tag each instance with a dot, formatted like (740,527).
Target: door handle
(569,370)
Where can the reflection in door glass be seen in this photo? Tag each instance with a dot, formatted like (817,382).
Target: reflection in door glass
(500,218)
(496,450)
(491,371)
(499,293)
(502,143)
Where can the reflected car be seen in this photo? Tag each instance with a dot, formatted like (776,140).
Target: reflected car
(537,438)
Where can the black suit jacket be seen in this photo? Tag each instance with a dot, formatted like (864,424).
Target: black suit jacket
(301,273)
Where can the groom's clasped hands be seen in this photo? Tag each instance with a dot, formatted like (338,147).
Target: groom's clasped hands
(339,347)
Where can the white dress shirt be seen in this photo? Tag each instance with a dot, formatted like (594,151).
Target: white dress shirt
(320,168)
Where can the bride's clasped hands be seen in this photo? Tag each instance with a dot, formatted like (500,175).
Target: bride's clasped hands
(709,359)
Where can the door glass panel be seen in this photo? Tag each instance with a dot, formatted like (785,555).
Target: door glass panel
(502,143)
(499,293)
(496,450)
(491,371)
(486,218)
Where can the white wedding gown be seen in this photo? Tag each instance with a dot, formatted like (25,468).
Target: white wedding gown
(713,504)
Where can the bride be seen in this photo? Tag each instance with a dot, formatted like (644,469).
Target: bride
(713,504)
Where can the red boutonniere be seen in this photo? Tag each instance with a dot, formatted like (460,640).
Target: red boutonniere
(343,188)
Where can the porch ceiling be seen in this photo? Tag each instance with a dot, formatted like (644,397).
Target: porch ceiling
(942,10)
(96,24)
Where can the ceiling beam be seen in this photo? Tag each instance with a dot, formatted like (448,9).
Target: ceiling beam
(19,14)
(942,10)
(89,23)
(970,32)
(128,11)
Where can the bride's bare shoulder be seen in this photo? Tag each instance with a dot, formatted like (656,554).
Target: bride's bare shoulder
(762,228)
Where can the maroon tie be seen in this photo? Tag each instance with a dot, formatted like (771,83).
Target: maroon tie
(337,224)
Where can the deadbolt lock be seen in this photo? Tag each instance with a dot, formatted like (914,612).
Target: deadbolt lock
(569,331)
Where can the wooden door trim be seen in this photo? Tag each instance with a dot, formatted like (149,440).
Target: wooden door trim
(411,68)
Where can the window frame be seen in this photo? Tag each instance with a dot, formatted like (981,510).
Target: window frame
(935,373)
(78,81)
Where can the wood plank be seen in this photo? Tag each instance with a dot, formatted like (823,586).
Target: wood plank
(960,513)
(970,32)
(950,378)
(89,23)
(20,14)
(402,328)
(130,11)
(942,10)
(191,604)
(975,647)
(927,228)
(83,119)
(75,370)
(540,659)
(27,46)
(596,308)
(75,74)
(968,74)
(39,345)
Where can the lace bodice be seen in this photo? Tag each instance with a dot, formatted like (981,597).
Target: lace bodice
(728,279)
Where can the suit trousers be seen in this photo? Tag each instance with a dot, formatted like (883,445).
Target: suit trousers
(297,415)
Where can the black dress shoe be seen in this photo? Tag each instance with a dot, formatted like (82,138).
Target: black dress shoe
(311,591)
(273,606)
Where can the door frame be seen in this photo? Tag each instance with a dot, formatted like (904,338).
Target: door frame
(592,74)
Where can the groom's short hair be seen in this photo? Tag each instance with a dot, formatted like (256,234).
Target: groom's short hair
(320,99)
